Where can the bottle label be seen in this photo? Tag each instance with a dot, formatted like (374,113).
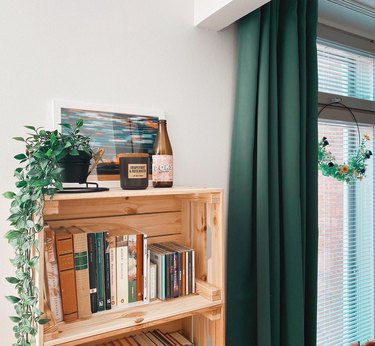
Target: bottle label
(137,171)
(162,167)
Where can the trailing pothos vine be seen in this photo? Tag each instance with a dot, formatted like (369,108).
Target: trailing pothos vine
(38,176)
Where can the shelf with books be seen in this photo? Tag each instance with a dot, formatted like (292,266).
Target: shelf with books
(180,217)
(118,321)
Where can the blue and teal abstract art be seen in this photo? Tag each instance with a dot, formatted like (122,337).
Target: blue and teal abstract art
(115,132)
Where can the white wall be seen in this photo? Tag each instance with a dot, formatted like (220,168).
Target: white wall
(124,53)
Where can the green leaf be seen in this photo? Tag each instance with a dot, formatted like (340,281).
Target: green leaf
(74,152)
(20,139)
(68,126)
(21,183)
(9,194)
(33,261)
(15,319)
(79,122)
(12,235)
(30,223)
(41,183)
(20,157)
(43,320)
(49,152)
(53,138)
(12,280)
(30,127)
(30,300)
(12,299)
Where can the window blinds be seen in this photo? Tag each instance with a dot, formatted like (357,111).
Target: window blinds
(344,71)
(346,245)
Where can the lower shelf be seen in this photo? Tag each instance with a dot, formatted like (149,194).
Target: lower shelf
(119,321)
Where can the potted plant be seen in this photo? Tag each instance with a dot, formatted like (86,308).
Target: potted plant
(39,175)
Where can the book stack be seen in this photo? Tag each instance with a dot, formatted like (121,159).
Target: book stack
(175,270)
(90,271)
(152,338)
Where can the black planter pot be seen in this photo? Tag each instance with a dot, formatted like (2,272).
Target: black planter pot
(75,169)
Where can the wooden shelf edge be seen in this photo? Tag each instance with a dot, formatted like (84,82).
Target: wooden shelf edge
(207,290)
(120,321)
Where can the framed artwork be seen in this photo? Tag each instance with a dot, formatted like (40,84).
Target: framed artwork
(115,129)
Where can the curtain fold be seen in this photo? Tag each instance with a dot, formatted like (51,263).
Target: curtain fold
(272,216)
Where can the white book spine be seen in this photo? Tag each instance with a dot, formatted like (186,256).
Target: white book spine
(153,268)
(52,276)
(187,272)
(146,266)
(122,272)
(193,270)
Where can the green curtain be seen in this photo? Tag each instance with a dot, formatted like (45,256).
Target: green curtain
(272,216)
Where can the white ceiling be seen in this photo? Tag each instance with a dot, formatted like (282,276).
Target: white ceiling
(355,16)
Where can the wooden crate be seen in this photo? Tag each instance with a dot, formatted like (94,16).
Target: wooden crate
(189,216)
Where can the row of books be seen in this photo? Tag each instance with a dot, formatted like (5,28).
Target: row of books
(90,271)
(151,338)
(175,266)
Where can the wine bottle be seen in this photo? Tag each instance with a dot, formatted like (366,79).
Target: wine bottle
(162,158)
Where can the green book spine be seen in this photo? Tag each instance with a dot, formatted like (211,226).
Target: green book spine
(100,270)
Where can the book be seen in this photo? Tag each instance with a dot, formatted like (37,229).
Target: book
(52,275)
(178,269)
(153,281)
(100,269)
(171,284)
(145,270)
(164,338)
(113,270)
(190,267)
(154,339)
(65,260)
(122,268)
(91,248)
(134,341)
(107,272)
(181,339)
(125,342)
(143,340)
(140,267)
(132,267)
(81,272)
(158,257)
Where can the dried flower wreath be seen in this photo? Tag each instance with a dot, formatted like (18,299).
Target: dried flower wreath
(350,171)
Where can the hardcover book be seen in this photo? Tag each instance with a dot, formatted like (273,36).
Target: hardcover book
(81,272)
(132,267)
(113,270)
(107,271)
(52,275)
(65,260)
(122,268)
(100,269)
(91,248)
(140,274)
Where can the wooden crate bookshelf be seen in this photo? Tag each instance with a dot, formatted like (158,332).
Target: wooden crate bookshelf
(189,216)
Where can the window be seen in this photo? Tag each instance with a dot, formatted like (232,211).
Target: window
(344,71)
(346,269)
(346,246)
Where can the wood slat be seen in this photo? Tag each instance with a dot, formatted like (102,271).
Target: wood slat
(168,327)
(152,224)
(207,290)
(199,238)
(71,209)
(114,322)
